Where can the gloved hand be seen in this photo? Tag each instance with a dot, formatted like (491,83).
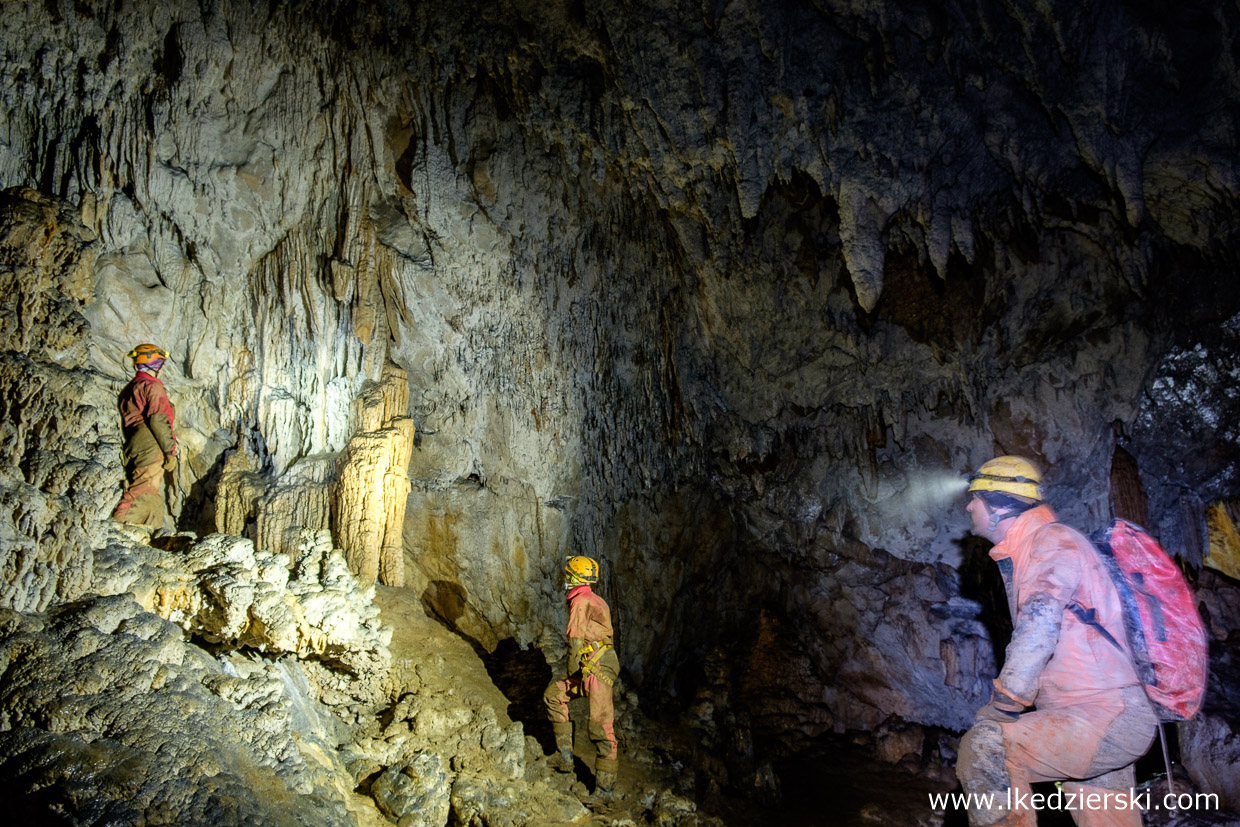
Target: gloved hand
(170,463)
(990,712)
(1002,708)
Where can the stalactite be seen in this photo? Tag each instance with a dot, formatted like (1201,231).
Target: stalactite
(861,235)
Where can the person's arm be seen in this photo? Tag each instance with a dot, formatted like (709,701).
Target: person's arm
(577,622)
(1052,574)
(159,421)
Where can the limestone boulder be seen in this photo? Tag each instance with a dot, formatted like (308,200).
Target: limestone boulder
(221,590)
(163,727)
(415,793)
(1210,744)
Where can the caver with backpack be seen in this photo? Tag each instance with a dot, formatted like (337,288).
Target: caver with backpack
(1068,704)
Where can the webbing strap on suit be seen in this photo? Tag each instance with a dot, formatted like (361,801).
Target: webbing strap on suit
(589,658)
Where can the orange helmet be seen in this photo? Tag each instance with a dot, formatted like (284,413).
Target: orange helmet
(146,354)
(580,570)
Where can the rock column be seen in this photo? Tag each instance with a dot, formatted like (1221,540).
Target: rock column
(373,485)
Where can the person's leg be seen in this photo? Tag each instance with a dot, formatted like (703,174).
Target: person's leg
(1106,793)
(602,715)
(148,510)
(556,698)
(1081,742)
(1107,800)
(598,689)
(143,481)
(986,776)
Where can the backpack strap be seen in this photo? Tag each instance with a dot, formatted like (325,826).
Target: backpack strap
(1152,603)
(1090,618)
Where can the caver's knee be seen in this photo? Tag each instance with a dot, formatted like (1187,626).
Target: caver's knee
(604,738)
(555,697)
(982,761)
(981,766)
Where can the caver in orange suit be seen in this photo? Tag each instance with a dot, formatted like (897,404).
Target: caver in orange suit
(592,671)
(1068,704)
(150,444)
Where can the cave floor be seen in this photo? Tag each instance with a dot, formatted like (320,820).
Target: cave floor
(654,786)
(838,784)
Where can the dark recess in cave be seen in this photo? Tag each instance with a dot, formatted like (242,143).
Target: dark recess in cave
(944,313)
(980,581)
(522,675)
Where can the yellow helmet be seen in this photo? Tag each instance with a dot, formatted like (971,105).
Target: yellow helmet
(581,570)
(145,354)
(1014,476)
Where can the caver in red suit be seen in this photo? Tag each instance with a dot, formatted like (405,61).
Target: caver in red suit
(592,671)
(1067,705)
(150,446)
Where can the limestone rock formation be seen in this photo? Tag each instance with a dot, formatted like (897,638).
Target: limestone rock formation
(162,727)
(1212,742)
(56,455)
(373,484)
(221,591)
(725,294)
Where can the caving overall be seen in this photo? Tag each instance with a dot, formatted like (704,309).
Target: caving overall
(1092,719)
(593,668)
(146,419)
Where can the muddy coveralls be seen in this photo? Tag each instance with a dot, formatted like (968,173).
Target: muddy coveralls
(1091,719)
(146,419)
(592,671)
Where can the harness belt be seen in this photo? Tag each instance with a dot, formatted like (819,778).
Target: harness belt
(597,646)
(589,658)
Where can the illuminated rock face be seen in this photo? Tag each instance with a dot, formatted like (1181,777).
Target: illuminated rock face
(373,484)
(727,297)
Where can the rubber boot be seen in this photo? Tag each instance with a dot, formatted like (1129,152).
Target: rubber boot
(562,761)
(604,794)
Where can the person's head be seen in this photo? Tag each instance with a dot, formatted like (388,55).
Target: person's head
(148,358)
(1003,488)
(580,571)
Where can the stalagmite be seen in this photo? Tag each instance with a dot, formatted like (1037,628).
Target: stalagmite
(301,501)
(373,484)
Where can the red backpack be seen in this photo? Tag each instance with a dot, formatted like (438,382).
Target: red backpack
(1165,634)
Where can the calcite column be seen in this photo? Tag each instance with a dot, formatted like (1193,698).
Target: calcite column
(373,484)
(241,486)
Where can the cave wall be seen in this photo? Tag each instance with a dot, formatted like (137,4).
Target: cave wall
(719,292)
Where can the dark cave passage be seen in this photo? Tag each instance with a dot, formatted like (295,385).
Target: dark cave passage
(522,675)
